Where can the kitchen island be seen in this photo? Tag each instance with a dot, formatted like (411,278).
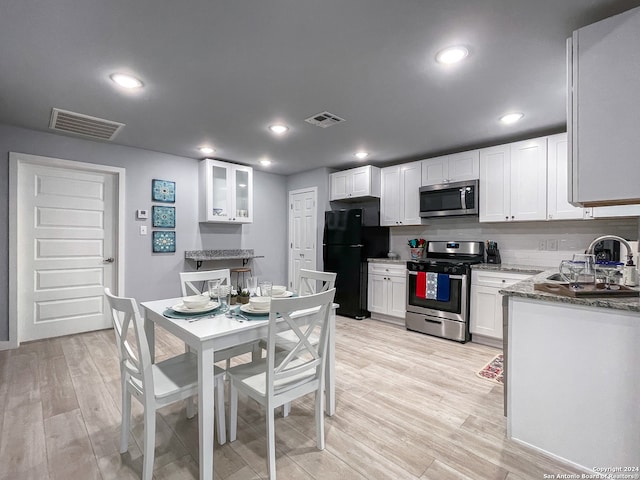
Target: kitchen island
(573,376)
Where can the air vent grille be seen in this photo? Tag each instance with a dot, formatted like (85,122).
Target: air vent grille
(324,119)
(79,124)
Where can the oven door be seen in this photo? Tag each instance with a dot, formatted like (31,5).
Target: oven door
(455,309)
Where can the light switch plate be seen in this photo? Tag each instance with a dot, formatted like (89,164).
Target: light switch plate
(142,214)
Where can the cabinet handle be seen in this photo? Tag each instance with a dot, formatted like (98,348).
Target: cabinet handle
(507,217)
(512,217)
(503,280)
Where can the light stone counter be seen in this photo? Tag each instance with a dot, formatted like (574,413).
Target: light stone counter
(509,267)
(395,261)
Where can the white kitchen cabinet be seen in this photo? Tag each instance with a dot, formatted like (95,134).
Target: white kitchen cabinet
(558,206)
(387,291)
(604,112)
(513,181)
(451,168)
(400,198)
(355,183)
(226,192)
(485,323)
(613,211)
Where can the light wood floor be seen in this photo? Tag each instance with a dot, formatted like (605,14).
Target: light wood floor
(409,406)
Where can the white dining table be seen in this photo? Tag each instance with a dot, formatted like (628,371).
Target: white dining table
(209,334)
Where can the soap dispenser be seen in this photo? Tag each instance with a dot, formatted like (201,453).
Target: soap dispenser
(630,274)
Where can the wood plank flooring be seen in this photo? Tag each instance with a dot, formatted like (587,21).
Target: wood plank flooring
(409,406)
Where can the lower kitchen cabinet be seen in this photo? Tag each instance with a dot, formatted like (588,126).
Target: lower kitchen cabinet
(387,292)
(485,323)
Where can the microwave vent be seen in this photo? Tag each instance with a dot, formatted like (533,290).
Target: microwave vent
(80,124)
(324,119)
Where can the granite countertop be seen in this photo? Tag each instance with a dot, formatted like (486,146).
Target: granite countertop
(397,261)
(509,267)
(237,254)
(525,289)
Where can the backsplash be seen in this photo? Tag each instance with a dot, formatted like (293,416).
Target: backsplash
(519,243)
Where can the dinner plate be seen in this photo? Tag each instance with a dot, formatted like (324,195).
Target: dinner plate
(182,308)
(283,295)
(247,308)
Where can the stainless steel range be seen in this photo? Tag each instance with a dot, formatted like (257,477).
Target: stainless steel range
(439,288)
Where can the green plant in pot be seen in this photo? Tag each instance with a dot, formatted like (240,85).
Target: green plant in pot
(233,298)
(243,296)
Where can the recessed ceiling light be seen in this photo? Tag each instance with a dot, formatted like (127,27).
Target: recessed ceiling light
(126,81)
(278,129)
(207,150)
(265,162)
(452,55)
(511,117)
(361,155)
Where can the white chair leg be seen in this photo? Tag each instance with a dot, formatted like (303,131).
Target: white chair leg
(149,442)
(125,425)
(319,419)
(233,412)
(286,409)
(220,420)
(271,442)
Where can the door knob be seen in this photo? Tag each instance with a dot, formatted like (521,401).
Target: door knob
(109,260)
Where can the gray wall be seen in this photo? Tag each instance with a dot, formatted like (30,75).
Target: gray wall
(314,178)
(149,276)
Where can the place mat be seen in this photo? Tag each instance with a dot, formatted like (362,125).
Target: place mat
(588,291)
(493,370)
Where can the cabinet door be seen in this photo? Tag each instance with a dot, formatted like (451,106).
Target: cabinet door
(340,185)
(377,294)
(435,170)
(390,196)
(243,194)
(360,182)
(529,180)
(558,206)
(604,111)
(495,184)
(464,166)
(397,291)
(616,211)
(486,311)
(409,195)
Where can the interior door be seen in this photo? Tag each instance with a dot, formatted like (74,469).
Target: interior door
(67,242)
(303,232)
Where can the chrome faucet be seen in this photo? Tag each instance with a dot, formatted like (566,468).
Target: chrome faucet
(612,237)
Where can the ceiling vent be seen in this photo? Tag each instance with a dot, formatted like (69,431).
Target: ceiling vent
(324,119)
(79,124)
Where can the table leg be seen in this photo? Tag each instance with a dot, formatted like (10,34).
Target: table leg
(149,330)
(330,372)
(205,412)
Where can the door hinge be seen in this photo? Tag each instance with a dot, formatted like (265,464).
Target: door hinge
(291,245)
(291,206)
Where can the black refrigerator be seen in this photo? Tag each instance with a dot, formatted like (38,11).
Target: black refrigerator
(347,243)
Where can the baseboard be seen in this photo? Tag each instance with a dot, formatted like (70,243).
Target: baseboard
(388,319)
(557,458)
(7,345)
(488,341)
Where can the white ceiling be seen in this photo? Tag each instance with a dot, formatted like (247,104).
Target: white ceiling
(219,72)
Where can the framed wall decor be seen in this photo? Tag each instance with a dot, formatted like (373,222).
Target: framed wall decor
(163,217)
(164,241)
(163,191)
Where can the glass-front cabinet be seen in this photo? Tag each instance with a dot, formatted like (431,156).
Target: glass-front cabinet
(226,192)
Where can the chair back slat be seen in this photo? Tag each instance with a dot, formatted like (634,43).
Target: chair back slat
(135,361)
(304,359)
(193,283)
(314,281)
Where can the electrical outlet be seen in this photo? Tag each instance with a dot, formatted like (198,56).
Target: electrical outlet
(143,229)
(552,244)
(542,245)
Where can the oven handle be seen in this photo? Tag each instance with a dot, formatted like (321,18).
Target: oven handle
(455,277)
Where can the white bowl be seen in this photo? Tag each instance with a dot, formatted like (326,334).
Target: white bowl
(195,301)
(278,289)
(260,303)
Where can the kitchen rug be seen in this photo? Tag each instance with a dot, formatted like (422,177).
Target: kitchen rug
(493,370)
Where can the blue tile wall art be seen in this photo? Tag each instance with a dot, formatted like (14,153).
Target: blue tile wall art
(164,241)
(163,217)
(163,191)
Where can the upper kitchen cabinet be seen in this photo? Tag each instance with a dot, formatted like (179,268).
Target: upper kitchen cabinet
(226,192)
(513,181)
(558,206)
(604,111)
(355,183)
(451,168)
(400,200)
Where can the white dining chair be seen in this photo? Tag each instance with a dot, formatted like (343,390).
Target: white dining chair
(154,385)
(284,376)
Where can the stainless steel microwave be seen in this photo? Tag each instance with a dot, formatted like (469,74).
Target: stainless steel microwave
(449,199)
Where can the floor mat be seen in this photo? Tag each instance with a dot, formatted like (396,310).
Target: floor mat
(493,370)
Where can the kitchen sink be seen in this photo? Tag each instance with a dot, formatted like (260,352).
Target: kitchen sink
(556,277)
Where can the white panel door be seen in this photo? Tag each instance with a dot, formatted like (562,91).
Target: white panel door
(340,187)
(66,246)
(377,300)
(302,233)
(464,166)
(558,206)
(360,181)
(390,196)
(486,311)
(435,170)
(410,182)
(495,184)
(529,180)
(397,296)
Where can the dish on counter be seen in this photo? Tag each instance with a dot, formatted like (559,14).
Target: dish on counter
(286,294)
(182,308)
(247,308)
